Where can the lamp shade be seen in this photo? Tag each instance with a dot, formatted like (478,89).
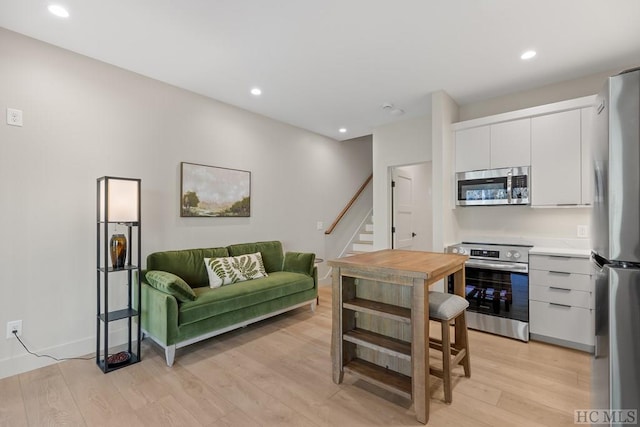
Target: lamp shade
(119,199)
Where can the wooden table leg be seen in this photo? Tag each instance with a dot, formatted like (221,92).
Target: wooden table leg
(420,349)
(459,289)
(336,330)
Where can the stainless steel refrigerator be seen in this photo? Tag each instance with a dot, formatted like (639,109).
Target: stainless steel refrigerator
(616,244)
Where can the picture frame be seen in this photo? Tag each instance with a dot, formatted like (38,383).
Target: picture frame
(212,191)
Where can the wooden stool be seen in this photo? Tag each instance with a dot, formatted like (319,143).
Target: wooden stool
(444,308)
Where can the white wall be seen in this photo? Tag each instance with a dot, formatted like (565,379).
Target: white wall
(588,85)
(402,143)
(84,119)
(555,227)
(445,112)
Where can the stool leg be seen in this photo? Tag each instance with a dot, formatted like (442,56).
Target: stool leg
(446,361)
(464,344)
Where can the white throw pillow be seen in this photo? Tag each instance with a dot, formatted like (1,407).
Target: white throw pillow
(225,271)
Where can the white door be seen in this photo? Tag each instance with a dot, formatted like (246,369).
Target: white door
(402,188)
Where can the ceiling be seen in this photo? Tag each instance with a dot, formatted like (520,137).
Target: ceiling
(328,64)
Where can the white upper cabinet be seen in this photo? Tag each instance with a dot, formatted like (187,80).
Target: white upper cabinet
(554,139)
(499,145)
(587,167)
(511,144)
(556,159)
(473,148)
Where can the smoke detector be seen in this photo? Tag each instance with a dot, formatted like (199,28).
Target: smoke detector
(392,109)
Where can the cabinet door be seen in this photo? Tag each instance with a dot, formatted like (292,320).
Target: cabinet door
(575,324)
(587,167)
(562,296)
(472,149)
(556,159)
(561,263)
(511,144)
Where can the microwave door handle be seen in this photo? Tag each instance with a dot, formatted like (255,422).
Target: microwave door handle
(509,188)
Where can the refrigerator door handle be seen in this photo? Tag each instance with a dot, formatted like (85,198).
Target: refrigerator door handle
(599,261)
(598,183)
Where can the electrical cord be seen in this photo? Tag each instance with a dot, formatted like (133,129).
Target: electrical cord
(49,356)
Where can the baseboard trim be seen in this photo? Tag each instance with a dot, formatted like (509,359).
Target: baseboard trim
(21,361)
(563,343)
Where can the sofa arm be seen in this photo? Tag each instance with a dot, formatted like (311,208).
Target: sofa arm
(159,313)
(299,262)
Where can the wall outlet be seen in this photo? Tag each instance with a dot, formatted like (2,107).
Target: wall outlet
(583,231)
(319,225)
(14,325)
(14,117)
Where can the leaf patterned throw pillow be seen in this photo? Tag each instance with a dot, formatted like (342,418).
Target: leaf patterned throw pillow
(229,270)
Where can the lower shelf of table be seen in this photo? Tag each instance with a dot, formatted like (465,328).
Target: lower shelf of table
(119,314)
(389,380)
(379,342)
(112,367)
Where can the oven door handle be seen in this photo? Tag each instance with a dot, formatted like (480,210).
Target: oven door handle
(512,267)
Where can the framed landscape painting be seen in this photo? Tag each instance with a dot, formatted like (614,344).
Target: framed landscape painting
(209,191)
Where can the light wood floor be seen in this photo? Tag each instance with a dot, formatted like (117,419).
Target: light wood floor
(278,372)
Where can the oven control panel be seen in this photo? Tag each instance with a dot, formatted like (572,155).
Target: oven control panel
(514,254)
(484,253)
(491,251)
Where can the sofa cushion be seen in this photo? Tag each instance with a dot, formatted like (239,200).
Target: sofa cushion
(272,256)
(211,302)
(299,262)
(170,284)
(229,270)
(186,263)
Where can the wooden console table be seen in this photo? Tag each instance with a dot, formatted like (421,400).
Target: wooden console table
(380,321)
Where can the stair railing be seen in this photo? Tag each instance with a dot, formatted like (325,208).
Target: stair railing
(348,206)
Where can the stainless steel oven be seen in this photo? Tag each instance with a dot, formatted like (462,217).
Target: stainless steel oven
(497,288)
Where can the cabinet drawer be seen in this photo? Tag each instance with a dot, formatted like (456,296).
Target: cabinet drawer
(573,324)
(561,296)
(560,263)
(559,279)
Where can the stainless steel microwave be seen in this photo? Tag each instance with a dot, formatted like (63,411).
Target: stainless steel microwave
(506,186)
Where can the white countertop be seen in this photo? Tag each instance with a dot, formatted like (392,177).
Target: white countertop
(573,252)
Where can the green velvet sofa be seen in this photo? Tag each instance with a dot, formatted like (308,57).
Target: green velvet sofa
(174,320)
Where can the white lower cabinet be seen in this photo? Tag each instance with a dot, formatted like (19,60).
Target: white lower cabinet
(561,301)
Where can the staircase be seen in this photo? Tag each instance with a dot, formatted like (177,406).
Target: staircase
(363,241)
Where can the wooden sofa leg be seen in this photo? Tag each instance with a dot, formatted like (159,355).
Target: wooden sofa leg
(170,354)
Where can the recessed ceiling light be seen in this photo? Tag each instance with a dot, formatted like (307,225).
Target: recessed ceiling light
(256,91)
(342,130)
(58,10)
(528,54)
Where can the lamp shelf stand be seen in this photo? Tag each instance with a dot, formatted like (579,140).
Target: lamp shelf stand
(118,204)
